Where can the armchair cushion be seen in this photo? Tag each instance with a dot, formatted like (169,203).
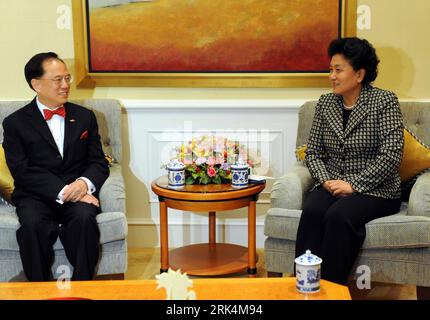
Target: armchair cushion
(8,226)
(419,199)
(282,223)
(416,157)
(112,193)
(289,190)
(395,231)
(301,153)
(6,179)
(112,225)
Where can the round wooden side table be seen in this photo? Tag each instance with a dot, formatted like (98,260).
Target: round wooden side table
(208,259)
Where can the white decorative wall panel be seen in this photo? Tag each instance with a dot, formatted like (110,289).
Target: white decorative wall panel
(156,126)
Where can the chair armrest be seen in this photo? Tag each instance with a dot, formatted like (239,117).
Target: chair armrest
(289,190)
(112,193)
(419,199)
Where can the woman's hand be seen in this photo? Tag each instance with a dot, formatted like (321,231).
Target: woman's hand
(327,185)
(338,188)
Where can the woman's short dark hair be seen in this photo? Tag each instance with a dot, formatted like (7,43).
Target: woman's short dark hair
(360,54)
(34,67)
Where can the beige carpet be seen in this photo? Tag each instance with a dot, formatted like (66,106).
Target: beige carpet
(145,264)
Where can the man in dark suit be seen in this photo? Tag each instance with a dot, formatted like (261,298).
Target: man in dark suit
(54,153)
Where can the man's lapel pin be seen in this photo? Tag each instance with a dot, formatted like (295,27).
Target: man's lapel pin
(72,120)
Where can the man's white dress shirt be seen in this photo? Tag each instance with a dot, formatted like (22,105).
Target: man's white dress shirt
(56,126)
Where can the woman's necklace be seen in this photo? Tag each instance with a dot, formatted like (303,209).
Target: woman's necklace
(349,108)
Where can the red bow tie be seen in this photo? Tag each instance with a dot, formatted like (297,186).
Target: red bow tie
(61,111)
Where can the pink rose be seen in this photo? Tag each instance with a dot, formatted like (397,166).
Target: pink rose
(211,172)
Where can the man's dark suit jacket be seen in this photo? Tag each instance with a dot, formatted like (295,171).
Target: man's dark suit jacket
(33,158)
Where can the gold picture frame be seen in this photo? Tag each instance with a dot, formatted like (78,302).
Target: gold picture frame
(85,78)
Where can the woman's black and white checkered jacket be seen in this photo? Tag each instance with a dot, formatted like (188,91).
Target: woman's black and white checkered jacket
(368,152)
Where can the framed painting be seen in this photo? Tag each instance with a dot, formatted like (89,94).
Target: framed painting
(207,43)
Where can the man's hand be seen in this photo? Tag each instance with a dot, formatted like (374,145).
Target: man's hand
(89,198)
(338,188)
(75,191)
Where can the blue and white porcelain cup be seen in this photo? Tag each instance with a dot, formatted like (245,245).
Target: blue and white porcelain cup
(176,174)
(239,174)
(308,273)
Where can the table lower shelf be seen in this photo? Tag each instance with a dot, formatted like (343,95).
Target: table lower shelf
(207,259)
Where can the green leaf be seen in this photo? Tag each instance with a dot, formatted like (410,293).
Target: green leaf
(216,179)
(195,175)
(205,179)
(189,180)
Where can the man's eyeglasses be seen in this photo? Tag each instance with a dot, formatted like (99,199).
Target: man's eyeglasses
(58,80)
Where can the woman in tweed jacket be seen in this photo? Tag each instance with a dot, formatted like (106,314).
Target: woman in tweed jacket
(353,153)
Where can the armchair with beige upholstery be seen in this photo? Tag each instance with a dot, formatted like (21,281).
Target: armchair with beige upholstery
(112,221)
(396,248)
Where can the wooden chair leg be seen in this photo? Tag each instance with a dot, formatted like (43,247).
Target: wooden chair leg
(423,293)
(271,274)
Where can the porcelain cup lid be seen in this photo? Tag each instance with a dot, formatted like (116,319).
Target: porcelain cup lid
(239,164)
(175,164)
(308,259)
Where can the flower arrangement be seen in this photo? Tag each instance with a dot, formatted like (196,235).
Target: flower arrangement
(207,159)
